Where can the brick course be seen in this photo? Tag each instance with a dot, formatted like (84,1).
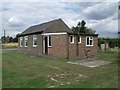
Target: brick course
(30,49)
(82,48)
(61,46)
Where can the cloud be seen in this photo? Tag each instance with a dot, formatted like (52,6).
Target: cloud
(15,22)
(101,10)
(61,1)
(18,16)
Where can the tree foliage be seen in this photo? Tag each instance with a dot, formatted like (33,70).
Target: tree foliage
(15,39)
(81,28)
(113,42)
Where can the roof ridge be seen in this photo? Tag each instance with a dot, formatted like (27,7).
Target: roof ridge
(47,22)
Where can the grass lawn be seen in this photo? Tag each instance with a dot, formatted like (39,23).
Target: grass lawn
(25,71)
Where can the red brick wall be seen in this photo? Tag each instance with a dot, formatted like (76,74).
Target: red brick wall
(59,46)
(92,49)
(30,49)
(72,48)
(82,47)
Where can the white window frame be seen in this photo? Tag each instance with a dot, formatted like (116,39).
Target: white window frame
(89,40)
(72,39)
(26,38)
(79,37)
(21,41)
(34,38)
(49,41)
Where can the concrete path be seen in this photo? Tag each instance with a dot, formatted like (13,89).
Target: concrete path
(90,63)
(8,50)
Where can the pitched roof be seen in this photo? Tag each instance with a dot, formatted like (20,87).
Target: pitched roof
(52,26)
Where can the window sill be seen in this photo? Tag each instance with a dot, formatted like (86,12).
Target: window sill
(49,46)
(89,45)
(79,42)
(34,45)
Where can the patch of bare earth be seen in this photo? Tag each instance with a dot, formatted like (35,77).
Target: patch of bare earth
(64,77)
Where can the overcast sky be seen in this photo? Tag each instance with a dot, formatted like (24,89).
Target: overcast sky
(100,16)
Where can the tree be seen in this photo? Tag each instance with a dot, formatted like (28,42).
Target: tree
(11,39)
(16,38)
(81,28)
(113,42)
(89,31)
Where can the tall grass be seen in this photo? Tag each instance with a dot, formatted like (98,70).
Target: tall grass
(10,45)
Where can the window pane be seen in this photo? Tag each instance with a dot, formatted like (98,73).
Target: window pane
(87,40)
(71,39)
(34,40)
(79,39)
(26,40)
(26,43)
(91,42)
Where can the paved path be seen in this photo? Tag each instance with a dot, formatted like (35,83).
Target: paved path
(91,63)
(8,50)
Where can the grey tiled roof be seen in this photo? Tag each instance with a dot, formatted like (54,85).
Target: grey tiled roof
(52,26)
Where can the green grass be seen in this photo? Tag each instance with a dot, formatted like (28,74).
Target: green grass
(9,45)
(25,71)
(109,55)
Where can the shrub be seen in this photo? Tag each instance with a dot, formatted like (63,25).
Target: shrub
(10,45)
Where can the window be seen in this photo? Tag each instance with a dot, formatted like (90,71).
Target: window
(35,41)
(89,41)
(79,39)
(26,41)
(49,41)
(71,39)
(21,41)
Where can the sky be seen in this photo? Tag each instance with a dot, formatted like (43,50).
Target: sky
(100,16)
